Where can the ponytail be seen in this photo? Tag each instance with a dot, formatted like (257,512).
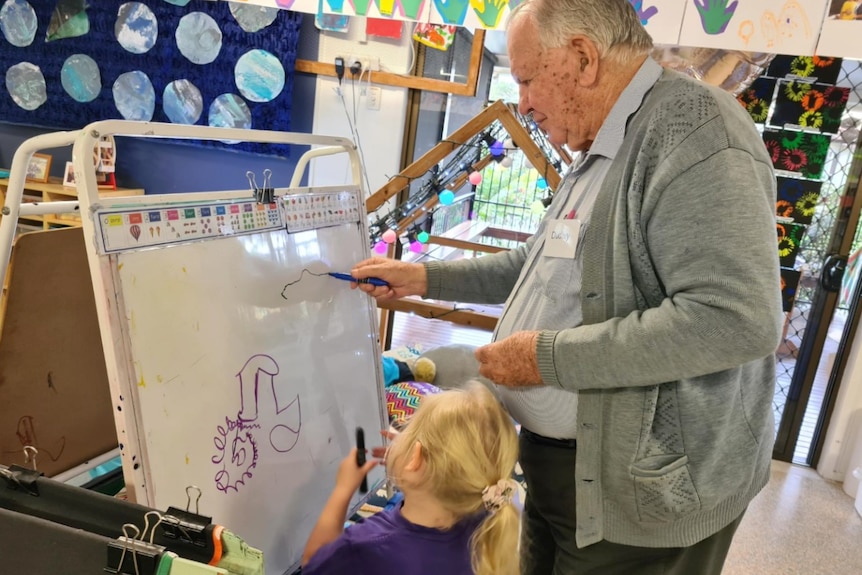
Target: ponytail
(468,441)
(494,546)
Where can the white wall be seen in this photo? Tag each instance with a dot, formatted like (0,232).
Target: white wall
(842,449)
(381,132)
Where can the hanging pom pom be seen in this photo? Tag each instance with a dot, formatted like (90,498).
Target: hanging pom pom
(389,236)
(447,197)
(475,178)
(537,207)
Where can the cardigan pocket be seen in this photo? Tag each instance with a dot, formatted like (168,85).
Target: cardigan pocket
(664,490)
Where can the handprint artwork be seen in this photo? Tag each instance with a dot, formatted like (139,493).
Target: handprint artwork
(715,15)
(644,13)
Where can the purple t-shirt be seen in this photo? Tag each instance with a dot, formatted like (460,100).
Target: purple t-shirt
(387,543)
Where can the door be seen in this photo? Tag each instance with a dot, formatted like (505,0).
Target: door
(815,322)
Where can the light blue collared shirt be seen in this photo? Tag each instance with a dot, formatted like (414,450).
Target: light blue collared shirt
(546,410)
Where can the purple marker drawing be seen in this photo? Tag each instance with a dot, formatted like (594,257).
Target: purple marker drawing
(244,450)
(243,455)
(249,378)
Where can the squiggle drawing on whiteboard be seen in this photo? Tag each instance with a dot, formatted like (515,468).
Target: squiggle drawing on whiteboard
(301,275)
(239,434)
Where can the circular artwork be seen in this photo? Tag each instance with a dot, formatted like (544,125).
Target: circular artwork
(178,2)
(26,85)
(136,27)
(182,102)
(252,18)
(198,38)
(229,111)
(81,78)
(259,76)
(134,96)
(18,22)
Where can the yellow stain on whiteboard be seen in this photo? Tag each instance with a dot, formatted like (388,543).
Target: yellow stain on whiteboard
(187,459)
(160,379)
(141,382)
(184,270)
(120,266)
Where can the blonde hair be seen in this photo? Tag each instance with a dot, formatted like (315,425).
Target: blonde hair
(613,25)
(468,442)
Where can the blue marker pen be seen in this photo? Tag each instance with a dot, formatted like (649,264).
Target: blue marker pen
(350,278)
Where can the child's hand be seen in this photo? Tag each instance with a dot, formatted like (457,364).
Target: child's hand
(350,475)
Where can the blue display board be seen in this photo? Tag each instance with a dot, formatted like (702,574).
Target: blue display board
(150,60)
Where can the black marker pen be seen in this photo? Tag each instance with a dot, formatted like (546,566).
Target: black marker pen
(360,457)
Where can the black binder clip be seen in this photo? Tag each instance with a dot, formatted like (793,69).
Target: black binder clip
(266,194)
(21,478)
(132,556)
(187,526)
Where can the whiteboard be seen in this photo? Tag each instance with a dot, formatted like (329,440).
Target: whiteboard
(238,383)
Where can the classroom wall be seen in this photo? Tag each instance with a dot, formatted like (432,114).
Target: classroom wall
(160,167)
(381,132)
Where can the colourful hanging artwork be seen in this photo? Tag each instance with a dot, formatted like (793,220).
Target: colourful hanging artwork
(815,68)
(797,199)
(802,153)
(439,36)
(814,106)
(757,98)
(789,284)
(789,239)
(330,22)
(382,28)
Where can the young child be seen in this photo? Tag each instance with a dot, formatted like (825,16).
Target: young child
(453,463)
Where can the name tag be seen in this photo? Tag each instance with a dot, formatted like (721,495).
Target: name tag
(562,239)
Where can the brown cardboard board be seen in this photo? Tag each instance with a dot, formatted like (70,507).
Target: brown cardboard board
(54,390)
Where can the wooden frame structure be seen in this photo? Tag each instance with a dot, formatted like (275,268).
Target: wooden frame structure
(468,88)
(498,111)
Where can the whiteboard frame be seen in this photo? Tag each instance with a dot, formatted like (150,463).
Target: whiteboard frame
(109,303)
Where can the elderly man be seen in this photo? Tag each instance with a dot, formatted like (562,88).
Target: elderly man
(636,344)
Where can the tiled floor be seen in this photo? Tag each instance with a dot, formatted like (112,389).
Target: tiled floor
(800,524)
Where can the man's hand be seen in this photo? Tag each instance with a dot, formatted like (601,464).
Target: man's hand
(512,361)
(404,278)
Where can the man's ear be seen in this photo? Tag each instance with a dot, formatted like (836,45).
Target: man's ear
(586,55)
(414,458)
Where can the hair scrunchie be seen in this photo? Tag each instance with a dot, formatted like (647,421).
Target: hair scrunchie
(496,496)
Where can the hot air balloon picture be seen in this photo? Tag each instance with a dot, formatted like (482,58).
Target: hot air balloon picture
(238,442)
(135,230)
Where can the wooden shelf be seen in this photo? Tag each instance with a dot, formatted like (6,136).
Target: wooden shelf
(54,191)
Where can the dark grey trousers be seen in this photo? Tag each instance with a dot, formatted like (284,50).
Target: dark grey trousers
(548,537)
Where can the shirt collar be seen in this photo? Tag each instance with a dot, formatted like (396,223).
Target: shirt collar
(610,137)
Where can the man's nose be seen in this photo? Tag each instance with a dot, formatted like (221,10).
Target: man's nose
(524,106)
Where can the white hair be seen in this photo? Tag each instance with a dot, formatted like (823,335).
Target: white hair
(613,25)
